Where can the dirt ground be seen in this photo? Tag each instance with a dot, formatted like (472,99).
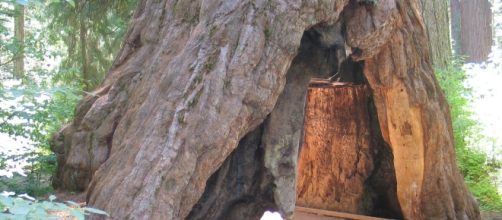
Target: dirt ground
(491,215)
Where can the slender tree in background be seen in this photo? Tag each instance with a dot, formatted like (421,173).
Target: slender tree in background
(471,29)
(19,39)
(84,59)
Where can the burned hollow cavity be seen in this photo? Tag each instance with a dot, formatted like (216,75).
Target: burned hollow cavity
(260,173)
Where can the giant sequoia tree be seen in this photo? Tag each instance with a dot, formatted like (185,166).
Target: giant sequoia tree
(201,115)
(471,25)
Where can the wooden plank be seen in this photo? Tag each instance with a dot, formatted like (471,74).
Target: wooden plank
(319,83)
(313,216)
(336,214)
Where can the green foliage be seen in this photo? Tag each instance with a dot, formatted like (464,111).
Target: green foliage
(9,47)
(91,33)
(452,81)
(69,46)
(19,208)
(41,109)
(478,170)
(37,52)
(38,113)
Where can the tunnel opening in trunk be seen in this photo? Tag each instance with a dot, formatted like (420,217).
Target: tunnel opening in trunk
(331,167)
(343,164)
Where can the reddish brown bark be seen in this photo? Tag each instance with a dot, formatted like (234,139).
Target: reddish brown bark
(415,122)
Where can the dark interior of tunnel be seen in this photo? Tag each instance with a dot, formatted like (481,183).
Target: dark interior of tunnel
(331,56)
(381,184)
(243,187)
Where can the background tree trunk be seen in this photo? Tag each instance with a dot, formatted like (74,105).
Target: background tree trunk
(84,56)
(472,29)
(455,13)
(19,36)
(437,21)
(197,80)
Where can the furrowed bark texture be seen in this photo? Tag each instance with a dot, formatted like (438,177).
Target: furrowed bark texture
(276,151)
(437,22)
(415,122)
(471,26)
(196,77)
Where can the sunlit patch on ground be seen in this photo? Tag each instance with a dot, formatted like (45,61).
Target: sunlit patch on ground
(10,146)
(271,216)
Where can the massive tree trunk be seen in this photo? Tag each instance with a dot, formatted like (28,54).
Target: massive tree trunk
(201,115)
(472,29)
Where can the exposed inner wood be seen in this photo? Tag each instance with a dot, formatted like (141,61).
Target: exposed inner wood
(344,164)
(337,155)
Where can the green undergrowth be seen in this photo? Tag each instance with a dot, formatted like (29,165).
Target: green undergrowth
(37,112)
(478,169)
(22,208)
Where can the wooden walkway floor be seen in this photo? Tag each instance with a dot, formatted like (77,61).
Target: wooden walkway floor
(302,213)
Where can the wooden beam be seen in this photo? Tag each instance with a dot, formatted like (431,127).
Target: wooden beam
(336,214)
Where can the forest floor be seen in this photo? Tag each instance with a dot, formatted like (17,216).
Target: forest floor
(491,216)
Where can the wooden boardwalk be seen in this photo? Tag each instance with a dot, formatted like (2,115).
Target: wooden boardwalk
(302,213)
